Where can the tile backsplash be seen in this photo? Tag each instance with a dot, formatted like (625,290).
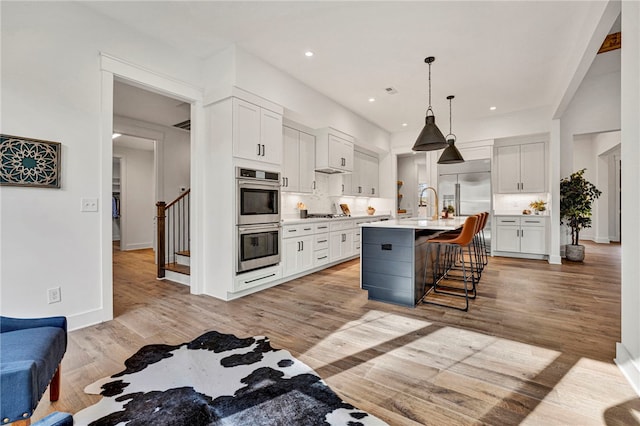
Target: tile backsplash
(321,202)
(516,203)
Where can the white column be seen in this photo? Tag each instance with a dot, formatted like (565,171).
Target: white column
(628,350)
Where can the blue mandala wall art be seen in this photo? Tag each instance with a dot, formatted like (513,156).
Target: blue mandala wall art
(29,162)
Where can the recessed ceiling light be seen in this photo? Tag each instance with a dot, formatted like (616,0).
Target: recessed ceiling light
(308,53)
(492,108)
(115,135)
(404,124)
(372,99)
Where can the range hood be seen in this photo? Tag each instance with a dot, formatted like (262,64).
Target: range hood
(330,171)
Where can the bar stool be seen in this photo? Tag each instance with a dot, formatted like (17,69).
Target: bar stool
(450,253)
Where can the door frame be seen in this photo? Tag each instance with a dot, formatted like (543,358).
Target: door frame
(111,68)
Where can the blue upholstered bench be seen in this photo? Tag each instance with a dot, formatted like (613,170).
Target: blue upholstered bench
(30,354)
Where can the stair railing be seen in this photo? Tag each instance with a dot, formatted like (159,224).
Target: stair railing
(173,230)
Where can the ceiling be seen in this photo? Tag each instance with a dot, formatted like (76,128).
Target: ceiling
(513,55)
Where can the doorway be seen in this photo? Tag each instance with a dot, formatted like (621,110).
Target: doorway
(134,191)
(114,73)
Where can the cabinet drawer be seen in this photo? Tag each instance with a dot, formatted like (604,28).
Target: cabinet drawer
(508,220)
(532,221)
(321,227)
(340,225)
(387,251)
(291,231)
(321,257)
(321,241)
(400,237)
(256,278)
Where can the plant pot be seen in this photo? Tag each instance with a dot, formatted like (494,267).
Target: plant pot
(574,253)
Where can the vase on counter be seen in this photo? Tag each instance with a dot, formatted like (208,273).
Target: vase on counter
(371,211)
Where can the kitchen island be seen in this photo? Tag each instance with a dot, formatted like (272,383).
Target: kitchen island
(393,257)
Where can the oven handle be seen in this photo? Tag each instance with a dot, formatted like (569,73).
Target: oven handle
(249,183)
(254,229)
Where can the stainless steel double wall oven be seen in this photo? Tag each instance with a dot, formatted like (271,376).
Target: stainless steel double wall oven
(258,218)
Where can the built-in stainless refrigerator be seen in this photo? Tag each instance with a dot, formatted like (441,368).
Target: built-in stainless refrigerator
(467,187)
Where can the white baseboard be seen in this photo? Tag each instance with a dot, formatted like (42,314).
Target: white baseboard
(177,277)
(555,260)
(138,246)
(628,366)
(602,240)
(85,319)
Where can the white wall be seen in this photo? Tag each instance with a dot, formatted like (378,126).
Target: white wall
(595,108)
(174,153)
(302,104)
(137,199)
(51,79)
(628,350)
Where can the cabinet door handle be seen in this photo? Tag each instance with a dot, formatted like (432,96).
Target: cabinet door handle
(258,149)
(291,230)
(263,150)
(283,181)
(287,182)
(522,233)
(344,237)
(321,241)
(373,191)
(314,184)
(307,229)
(323,257)
(522,186)
(517,232)
(301,245)
(343,187)
(359,190)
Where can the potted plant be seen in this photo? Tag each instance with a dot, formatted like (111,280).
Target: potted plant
(538,205)
(576,196)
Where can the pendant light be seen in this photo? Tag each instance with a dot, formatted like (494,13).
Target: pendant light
(450,155)
(431,138)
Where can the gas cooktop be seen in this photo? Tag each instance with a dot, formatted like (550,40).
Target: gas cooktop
(325,215)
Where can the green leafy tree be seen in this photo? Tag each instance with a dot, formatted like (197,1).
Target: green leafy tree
(576,196)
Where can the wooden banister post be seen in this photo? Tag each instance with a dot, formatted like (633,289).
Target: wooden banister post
(160,223)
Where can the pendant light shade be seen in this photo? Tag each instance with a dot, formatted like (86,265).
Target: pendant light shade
(430,138)
(450,155)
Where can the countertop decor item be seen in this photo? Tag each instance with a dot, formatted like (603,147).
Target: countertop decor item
(538,205)
(576,196)
(430,138)
(450,155)
(29,162)
(370,211)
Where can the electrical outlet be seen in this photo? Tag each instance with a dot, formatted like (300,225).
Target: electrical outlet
(54,295)
(88,204)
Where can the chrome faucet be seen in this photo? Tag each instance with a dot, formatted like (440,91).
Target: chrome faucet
(435,207)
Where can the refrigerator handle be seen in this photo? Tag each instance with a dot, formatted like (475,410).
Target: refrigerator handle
(457,195)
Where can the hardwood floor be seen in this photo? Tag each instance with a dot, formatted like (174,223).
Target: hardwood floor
(536,346)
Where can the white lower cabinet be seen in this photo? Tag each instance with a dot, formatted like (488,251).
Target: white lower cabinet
(341,240)
(297,248)
(297,255)
(521,234)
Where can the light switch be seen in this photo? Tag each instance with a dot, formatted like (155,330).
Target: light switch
(88,204)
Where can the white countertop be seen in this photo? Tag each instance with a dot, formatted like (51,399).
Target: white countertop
(419,223)
(294,221)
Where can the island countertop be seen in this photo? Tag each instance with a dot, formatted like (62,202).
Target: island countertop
(419,223)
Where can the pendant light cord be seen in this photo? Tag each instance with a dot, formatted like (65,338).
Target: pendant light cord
(450,116)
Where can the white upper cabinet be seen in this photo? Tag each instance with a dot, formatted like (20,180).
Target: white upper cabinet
(521,168)
(257,132)
(298,161)
(364,180)
(334,151)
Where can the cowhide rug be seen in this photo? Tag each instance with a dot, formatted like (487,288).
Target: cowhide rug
(217,379)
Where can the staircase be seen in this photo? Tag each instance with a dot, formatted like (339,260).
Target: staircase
(173,230)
